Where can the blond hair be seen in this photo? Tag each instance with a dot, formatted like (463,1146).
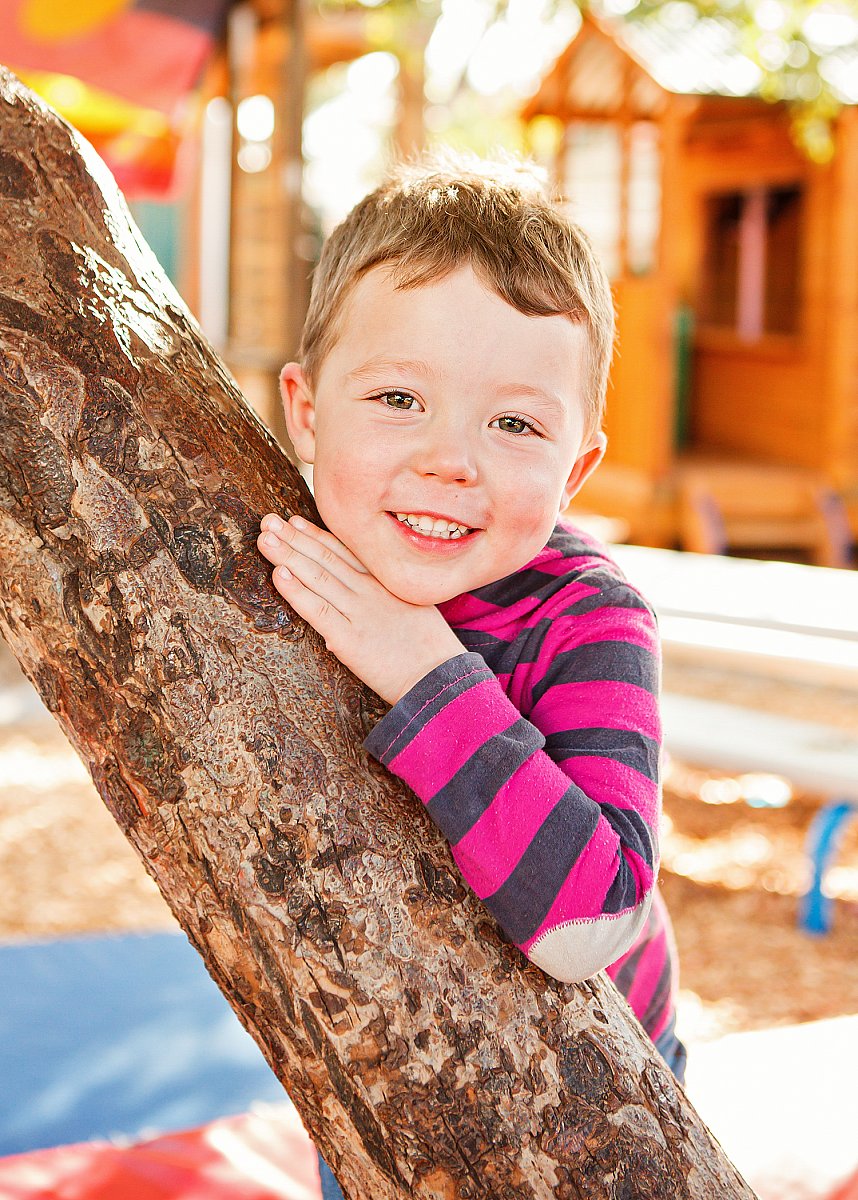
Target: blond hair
(433,215)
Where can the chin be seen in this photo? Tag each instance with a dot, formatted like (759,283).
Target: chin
(422,594)
(422,597)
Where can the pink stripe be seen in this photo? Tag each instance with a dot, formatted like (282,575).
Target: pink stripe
(517,686)
(647,975)
(603,704)
(507,625)
(492,848)
(465,609)
(508,621)
(610,782)
(440,747)
(559,564)
(606,625)
(583,893)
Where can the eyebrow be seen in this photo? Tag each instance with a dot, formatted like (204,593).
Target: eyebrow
(405,366)
(419,366)
(548,400)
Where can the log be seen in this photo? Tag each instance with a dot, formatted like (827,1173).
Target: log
(425,1056)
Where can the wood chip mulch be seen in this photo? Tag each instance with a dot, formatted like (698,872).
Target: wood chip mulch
(731,874)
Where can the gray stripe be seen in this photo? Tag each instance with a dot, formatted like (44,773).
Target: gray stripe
(521,903)
(617,597)
(614,598)
(465,797)
(634,750)
(632,830)
(622,662)
(623,891)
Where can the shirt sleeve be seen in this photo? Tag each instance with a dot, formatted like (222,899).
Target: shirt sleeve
(551,817)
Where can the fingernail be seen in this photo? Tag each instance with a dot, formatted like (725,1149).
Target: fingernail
(298,522)
(284,572)
(275,524)
(270,540)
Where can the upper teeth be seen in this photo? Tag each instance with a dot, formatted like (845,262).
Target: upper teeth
(432,526)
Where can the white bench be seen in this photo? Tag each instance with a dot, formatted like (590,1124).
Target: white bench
(780,621)
(817,758)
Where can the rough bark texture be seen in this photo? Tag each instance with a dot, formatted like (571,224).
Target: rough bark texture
(425,1056)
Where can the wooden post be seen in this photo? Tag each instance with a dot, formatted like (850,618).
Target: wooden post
(841,432)
(290,160)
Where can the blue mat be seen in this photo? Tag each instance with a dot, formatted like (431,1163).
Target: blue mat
(118,1037)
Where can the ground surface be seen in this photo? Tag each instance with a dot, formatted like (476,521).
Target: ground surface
(731,873)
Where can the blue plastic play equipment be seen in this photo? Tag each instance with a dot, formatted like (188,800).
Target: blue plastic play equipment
(823,840)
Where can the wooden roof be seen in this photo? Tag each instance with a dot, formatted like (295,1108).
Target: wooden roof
(331,37)
(636,66)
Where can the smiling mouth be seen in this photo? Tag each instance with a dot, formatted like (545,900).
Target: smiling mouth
(434,527)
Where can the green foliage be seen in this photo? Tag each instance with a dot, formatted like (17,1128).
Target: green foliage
(800,46)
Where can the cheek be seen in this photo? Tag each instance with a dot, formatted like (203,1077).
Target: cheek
(345,481)
(360,468)
(533,497)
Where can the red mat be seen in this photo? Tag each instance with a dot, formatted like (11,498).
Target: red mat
(263,1155)
(849,1191)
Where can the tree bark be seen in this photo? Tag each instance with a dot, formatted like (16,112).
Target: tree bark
(426,1057)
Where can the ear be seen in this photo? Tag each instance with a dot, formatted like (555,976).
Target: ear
(299,411)
(584,467)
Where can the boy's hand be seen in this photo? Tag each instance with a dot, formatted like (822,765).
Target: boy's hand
(387,642)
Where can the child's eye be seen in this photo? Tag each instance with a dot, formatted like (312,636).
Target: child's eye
(402,401)
(514,424)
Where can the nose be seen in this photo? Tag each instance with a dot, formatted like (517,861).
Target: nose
(446,453)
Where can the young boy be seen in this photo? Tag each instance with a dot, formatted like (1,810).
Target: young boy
(449,396)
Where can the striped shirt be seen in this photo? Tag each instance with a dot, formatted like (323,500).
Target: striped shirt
(536,751)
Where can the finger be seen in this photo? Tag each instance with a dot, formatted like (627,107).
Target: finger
(273,524)
(309,604)
(322,548)
(273,547)
(289,547)
(315,576)
(327,539)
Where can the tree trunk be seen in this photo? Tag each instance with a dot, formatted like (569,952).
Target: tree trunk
(426,1057)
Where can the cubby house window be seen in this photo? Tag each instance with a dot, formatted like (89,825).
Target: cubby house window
(593,186)
(644,197)
(612,180)
(751,263)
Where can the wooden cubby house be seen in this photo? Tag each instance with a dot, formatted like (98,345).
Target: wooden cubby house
(252,240)
(733,408)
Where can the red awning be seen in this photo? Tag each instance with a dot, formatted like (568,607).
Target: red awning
(149,52)
(119,71)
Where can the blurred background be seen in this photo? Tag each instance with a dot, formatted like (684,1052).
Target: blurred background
(710,150)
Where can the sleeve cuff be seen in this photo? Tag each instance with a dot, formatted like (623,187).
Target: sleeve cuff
(430,694)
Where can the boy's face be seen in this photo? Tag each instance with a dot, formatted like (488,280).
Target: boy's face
(443,404)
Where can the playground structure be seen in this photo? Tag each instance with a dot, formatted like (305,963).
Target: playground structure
(734,260)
